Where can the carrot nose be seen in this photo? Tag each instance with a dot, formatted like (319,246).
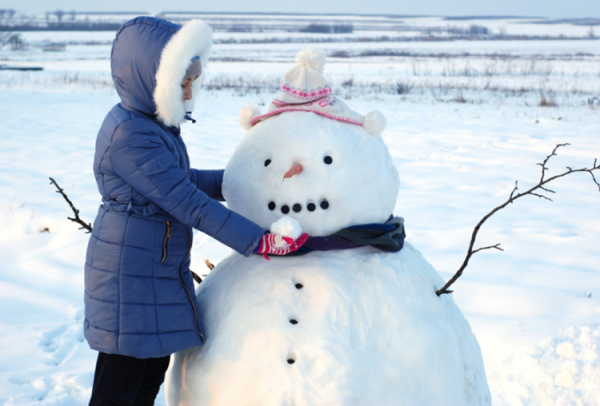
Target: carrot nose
(294,170)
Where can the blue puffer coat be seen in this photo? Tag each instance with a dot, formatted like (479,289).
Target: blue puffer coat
(139,294)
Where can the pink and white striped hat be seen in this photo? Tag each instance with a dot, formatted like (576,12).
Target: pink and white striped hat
(303,88)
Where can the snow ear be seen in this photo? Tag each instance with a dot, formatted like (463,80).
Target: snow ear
(246,115)
(374,123)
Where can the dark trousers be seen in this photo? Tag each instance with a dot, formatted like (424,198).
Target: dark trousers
(121,380)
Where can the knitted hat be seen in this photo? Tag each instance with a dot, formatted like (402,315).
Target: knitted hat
(303,88)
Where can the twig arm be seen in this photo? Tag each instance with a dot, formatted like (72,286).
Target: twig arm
(77,219)
(541,185)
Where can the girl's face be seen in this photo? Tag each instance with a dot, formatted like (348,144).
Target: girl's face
(186,85)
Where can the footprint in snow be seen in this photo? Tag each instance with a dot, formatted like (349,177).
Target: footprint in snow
(61,342)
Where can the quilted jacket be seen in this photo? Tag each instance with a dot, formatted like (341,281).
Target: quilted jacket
(139,294)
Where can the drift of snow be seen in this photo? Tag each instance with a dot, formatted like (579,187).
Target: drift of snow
(458,160)
(554,372)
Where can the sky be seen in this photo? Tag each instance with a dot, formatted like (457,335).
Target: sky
(554,9)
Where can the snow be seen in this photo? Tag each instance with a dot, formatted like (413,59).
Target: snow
(361,174)
(528,306)
(368,322)
(287,227)
(355,327)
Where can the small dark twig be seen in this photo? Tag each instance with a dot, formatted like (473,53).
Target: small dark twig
(514,196)
(496,246)
(77,219)
(196,277)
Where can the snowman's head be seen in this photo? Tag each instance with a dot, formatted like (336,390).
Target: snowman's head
(338,175)
(311,158)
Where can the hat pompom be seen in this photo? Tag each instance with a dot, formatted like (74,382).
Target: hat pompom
(374,123)
(246,114)
(312,58)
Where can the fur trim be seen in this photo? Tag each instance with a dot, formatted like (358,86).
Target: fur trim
(374,123)
(194,38)
(312,58)
(246,115)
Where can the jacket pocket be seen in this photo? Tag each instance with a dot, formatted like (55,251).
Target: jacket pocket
(165,246)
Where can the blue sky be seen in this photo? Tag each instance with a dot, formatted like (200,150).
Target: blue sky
(543,8)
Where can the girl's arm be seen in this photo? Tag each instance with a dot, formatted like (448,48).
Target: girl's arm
(141,158)
(208,181)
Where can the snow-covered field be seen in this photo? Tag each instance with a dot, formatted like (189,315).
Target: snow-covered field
(459,137)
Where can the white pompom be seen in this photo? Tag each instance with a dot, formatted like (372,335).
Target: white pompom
(312,58)
(246,114)
(374,123)
(287,227)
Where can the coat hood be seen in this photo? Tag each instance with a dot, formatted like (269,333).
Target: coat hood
(148,61)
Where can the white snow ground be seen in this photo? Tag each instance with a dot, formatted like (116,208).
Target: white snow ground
(535,308)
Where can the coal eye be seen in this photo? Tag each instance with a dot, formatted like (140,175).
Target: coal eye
(267,162)
(328,160)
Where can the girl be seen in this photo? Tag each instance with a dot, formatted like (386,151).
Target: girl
(140,304)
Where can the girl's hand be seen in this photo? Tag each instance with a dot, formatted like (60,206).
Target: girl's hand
(279,245)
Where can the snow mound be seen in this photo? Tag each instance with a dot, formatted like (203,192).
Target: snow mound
(555,372)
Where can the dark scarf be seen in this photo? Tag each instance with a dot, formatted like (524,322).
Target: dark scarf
(388,237)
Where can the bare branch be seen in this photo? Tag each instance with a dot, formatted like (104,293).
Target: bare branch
(514,196)
(88,226)
(516,189)
(540,196)
(547,190)
(497,246)
(77,219)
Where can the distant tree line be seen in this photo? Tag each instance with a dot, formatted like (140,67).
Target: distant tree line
(329,28)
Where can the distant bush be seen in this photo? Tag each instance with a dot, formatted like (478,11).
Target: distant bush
(328,29)
(343,29)
(317,29)
(340,54)
(478,30)
(403,87)
(239,28)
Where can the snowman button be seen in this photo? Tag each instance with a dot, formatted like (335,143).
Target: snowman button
(299,286)
(297,207)
(285,209)
(311,207)
(272,205)
(291,361)
(324,204)
(294,321)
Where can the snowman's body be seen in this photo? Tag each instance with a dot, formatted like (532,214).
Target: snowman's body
(348,327)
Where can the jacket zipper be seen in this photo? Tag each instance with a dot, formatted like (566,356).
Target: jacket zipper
(165,247)
(187,229)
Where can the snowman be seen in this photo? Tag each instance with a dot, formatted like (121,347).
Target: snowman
(353,317)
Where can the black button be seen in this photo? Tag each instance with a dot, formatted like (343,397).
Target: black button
(299,286)
(267,162)
(285,209)
(272,205)
(297,207)
(291,361)
(294,321)
(311,207)
(324,204)
(328,160)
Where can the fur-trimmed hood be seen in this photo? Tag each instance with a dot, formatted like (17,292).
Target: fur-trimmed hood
(148,61)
